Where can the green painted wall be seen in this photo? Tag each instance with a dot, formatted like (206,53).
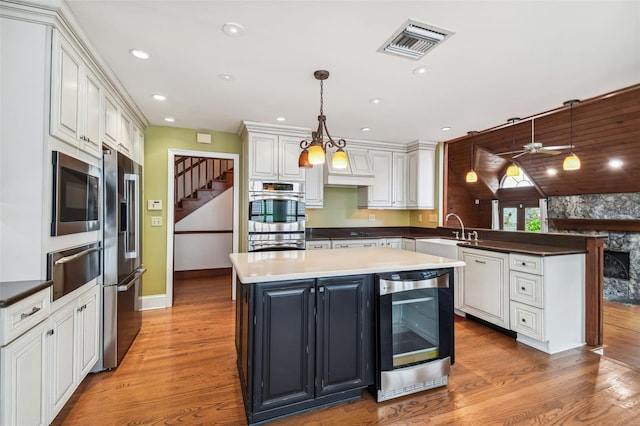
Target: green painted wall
(158,141)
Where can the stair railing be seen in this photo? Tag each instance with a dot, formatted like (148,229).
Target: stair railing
(194,173)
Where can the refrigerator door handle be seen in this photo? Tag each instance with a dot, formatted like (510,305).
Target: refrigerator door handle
(132,281)
(132,202)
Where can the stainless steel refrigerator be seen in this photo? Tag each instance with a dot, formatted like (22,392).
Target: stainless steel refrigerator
(121,317)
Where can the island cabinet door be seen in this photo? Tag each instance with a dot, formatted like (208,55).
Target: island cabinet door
(344,334)
(284,343)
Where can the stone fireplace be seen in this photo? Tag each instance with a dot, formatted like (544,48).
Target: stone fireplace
(622,248)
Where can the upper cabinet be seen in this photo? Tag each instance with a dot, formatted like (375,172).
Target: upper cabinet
(271,152)
(379,194)
(421,176)
(314,187)
(84,113)
(76,101)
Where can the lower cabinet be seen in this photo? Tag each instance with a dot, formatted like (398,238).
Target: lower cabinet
(485,285)
(23,379)
(409,244)
(303,343)
(362,242)
(318,245)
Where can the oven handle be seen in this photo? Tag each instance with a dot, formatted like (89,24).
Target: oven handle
(77,255)
(276,243)
(390,286)
(260,196)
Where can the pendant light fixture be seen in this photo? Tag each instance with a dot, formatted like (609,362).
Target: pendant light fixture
(513,169)
(472,176)
(314,151)
(571,161)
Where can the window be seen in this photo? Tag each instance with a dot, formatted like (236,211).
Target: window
(519,214)
(519,181)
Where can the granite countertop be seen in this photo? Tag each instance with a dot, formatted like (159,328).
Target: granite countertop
(426,233)
(14,291)
(507,247)
(268,266)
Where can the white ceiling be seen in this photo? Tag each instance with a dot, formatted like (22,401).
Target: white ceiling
(506,59)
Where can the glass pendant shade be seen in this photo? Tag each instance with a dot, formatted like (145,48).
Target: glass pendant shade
(303,159)
(340,160)
(471,176)
(513,170)
(571,162)
(316,154)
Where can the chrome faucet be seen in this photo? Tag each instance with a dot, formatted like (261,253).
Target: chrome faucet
(459,220)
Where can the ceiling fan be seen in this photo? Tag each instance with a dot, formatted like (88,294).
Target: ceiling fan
(534,147)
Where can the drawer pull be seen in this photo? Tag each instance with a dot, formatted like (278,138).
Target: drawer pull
(524,320)
(522,288)
(27,315)
(481,261)
(524,263)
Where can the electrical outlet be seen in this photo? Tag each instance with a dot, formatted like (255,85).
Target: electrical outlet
(372,218)
(156,220)
(419,217)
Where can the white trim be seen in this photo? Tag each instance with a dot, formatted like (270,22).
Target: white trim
(172,153)
(155,301)
(441,186)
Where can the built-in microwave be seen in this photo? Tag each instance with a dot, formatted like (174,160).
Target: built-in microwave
(76,195)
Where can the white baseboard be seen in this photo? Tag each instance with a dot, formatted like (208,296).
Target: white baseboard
(155,301)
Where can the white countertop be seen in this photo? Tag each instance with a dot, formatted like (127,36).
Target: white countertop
(259,267)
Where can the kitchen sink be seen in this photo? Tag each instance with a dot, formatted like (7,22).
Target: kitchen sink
(439,247)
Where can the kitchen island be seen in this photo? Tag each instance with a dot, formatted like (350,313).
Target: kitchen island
(305,324)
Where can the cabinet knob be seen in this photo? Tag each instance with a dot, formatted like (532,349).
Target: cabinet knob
(524,320)
(522,288)
(50,332)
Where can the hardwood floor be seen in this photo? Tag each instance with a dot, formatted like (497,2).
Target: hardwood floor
(622,333)
(181,370)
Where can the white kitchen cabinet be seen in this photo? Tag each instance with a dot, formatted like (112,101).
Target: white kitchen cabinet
(399,180)
(379,194)
(138,145)
(76,101)
(363,242)
(485,285)
(421,176)
(547,300)
(318,245)
(274,157)
(62,344)
(125,138)
(111,120)
(395,243)
(314,187)
(23,378)
(409,244)
(72,345)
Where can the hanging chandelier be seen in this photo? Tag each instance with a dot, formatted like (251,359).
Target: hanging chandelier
(472,176)
(571,161)
(513,170)
(314,151)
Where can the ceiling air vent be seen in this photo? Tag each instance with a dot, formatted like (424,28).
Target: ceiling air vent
(414,39)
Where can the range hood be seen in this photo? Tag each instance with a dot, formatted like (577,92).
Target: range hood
(358,172)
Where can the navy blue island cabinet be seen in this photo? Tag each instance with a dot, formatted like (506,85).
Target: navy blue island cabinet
(303,344)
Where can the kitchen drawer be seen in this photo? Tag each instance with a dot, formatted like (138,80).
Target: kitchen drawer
(525,263)
(318,245)
(354,243)
(527,320)
(526,288)
(19,317)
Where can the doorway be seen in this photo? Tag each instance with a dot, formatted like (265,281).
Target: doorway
(171,191)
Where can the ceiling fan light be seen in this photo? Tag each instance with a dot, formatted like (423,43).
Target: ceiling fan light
(571,162)
(340,160)
(471,176)
(513,170)
(316,154)
(303,159)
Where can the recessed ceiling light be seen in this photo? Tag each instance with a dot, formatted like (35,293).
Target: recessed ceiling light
(420,70)
(169,119)
(615,163)
(552,171)
(445,128)
(140,54)
(280,119)
(366,129)
(232,29)
(158,97)
(376,101)
(227,77)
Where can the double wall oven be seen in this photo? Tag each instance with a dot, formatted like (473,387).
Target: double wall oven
(276,219)
(414,326)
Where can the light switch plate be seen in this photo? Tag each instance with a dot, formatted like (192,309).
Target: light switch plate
(154,204)
(372,218)
(156,220)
